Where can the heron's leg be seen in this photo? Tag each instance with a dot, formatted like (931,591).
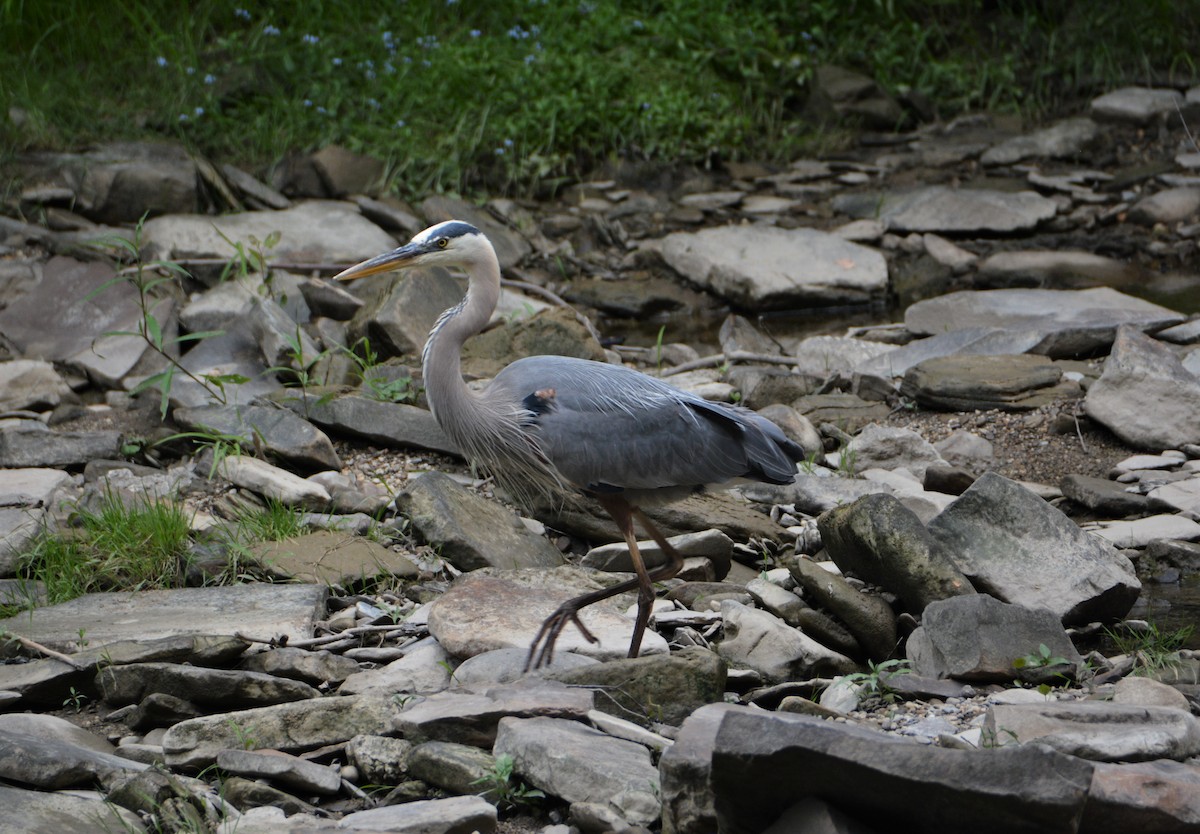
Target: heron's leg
(622,513)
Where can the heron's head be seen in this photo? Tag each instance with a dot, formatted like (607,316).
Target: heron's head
(453,243)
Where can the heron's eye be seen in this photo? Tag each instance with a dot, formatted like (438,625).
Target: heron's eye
(443,242)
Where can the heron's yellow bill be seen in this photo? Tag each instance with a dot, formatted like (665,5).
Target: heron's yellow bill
(387,262)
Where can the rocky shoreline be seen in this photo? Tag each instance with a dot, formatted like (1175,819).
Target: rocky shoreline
(936,626)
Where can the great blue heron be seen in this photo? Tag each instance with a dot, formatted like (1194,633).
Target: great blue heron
(547,424)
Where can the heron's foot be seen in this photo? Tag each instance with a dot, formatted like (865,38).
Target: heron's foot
(548,634)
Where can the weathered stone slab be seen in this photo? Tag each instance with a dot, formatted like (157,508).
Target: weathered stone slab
(469,531)
(1097,730)
(761,267)
(279,431)
(387,424)
(257,609)
(971,383)
(465,718)
(1135,104)
(294,727)
(314,232)
(506,609)
(62,813)
(1072,321)
(979,638)
(1145,396)
(733,768)
(1064,139)
(1011,544)
(946,210)
(328,557)
(579,764)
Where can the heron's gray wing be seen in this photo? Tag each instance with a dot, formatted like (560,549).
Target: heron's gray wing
(607,427)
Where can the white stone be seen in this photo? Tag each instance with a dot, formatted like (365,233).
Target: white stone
(272,482)
(1141,531)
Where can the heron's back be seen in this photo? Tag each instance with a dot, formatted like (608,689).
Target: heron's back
(606,428)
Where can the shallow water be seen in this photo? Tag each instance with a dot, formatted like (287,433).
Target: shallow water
(1172,606)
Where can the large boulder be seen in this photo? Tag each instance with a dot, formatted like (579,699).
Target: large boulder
(881,541)
(980,638)
(1145,396)
(1013,545)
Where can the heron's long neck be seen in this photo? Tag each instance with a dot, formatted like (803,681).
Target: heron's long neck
(448,395)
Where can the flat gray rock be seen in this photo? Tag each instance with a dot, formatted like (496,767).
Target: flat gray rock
(452,815)
(1145,395)
(469,531)
(980,383)
(62,813)
(30,487)
(31,384)
(31,444)
(470,718)
(235,352)
(395,425)
(261,610)
(65,316)
(1170,206)
(227,688)
(1137,105)
(1064,139)
(505,610)
(289,772)
(280,432)
(579,764)
(967,341)
(44,756)
(1106,497)
(1099,731)
(944,210)
(1140,532)
(1073,321)
(1013,545)
(756,639)
(762,267)
(425,668)
(314,232)
(736,768)
(1054,269)
(292,728)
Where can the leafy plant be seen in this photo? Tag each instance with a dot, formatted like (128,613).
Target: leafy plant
(502,791)
(146,279)
(75,700)
(874,682)
(244,737)
(379,386)
(1041,659)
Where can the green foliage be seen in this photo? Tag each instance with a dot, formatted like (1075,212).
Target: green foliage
(1041,659)
(75,700)
(502,791)
(874,682)
(377,385)
(1151,649)
(148,280)
(274,522)
(517,93)
(116,547)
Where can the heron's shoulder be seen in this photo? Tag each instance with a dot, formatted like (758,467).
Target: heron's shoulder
(570,371)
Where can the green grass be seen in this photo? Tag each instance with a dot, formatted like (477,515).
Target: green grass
(508,94)
(274,522)
(1152,649)
(113,548)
